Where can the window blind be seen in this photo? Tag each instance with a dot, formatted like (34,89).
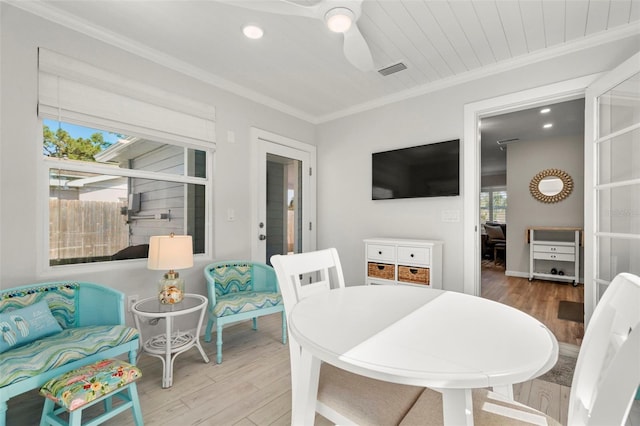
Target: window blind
(74,91)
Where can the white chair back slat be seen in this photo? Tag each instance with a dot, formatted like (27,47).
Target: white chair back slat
(607,373)
(289,269)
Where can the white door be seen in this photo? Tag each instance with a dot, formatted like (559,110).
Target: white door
(612,179)
(284,196)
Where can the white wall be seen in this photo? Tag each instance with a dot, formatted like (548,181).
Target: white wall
(346,214)
(22,227)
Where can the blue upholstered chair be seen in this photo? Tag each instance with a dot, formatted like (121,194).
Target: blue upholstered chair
(240,290)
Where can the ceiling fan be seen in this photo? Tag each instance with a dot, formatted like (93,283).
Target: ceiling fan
(340,16)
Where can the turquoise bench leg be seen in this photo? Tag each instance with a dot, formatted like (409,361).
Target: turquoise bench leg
(75,418)
(207,332)
(137,410)
(219,342)
(3,413)
(108,404)
(255,323)
(46,410)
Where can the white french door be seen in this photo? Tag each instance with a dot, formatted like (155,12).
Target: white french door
(284,208)
(612,179)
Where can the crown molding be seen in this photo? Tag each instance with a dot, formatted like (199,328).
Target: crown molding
(51,13)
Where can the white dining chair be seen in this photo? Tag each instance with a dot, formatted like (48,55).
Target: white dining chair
(605,379)
(343,397)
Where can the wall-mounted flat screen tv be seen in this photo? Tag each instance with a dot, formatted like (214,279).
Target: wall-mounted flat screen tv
(431,170)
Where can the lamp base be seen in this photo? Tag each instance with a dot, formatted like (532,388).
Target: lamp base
(170,290)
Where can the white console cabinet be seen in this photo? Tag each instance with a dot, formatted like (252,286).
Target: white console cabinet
(555,248)
(403,261)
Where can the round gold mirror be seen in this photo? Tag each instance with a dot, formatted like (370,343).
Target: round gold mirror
(551,186)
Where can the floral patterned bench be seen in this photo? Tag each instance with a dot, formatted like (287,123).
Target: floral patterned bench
(79,323)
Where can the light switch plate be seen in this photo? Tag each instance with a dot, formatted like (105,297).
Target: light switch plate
(451,215)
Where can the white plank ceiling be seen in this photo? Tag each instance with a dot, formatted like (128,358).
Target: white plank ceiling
(298,66)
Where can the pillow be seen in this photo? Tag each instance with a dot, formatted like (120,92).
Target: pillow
(494,232)
(22,326)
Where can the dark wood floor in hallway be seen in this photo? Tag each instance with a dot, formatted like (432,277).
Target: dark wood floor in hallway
(538,298)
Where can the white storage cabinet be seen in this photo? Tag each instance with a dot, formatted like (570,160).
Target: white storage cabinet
(403,261)
(563,249)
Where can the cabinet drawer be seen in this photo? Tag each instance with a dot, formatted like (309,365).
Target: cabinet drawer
(554,249)
(412,274)
(381,252)
(565,257)
(381,270)
(408,254)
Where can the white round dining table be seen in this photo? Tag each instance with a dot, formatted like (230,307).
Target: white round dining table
(445,340)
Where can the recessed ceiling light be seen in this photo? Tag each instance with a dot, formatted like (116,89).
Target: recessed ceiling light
(548,125)
(252,31)
(545,110)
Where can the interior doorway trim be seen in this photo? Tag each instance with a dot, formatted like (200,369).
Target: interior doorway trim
(473,113)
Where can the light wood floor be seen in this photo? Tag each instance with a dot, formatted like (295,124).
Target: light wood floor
(538,298)
(250,387)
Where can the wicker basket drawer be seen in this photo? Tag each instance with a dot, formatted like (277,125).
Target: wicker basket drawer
(414,275)
(381,270)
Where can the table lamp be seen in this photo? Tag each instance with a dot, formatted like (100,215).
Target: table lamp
(170,252)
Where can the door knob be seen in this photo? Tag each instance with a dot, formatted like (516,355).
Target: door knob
(262,237)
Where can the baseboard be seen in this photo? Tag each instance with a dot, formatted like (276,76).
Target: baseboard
(567,349)
(526,275)
(516,274)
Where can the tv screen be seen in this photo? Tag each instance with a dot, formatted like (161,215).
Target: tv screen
(431,170)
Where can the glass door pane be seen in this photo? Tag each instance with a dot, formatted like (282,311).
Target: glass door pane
(617,190)
(284,205)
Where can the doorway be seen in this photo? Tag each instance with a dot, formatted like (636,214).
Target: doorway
(283,182)
(596,90)
(515,147)
(473,113)
(284,205)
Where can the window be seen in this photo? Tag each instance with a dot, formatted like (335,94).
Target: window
(493,206)
(108,192)
(124,161)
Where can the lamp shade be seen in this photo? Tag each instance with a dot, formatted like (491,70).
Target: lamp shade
(170,252)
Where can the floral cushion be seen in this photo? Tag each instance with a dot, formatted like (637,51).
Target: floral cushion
(78,387)
(62,348)
(235,303)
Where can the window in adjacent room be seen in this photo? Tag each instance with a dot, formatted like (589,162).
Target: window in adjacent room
(493,206)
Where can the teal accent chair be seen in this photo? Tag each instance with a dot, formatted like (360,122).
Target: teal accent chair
(240,290)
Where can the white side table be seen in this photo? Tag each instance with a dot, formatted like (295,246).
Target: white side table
(167,349)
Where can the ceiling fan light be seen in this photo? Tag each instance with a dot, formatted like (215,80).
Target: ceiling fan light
(339,19)
(253,32)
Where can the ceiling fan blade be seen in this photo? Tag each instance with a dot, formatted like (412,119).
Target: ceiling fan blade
(356,49)
(279,7)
